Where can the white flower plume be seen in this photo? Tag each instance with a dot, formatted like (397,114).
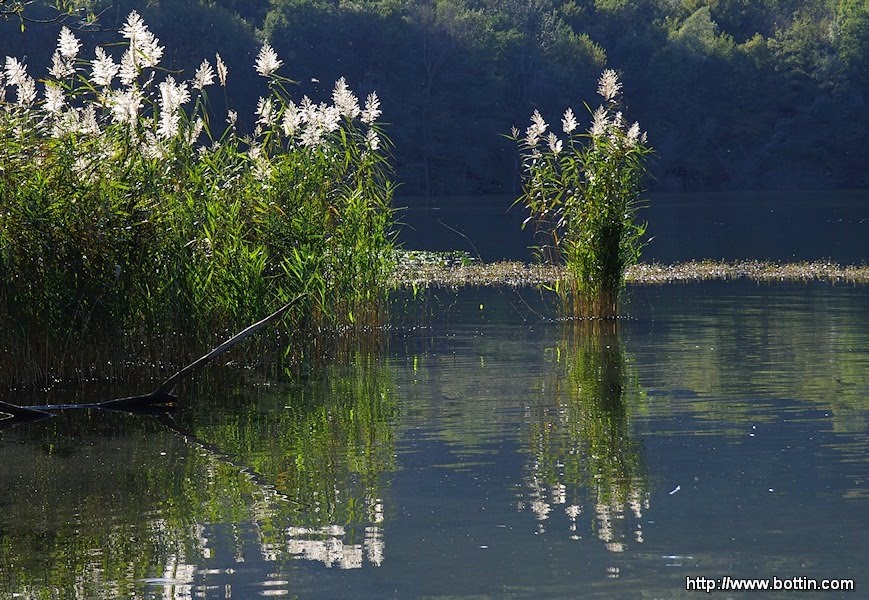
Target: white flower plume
(172,96)
(608,86)
(267,61)
(599,122)
(204,76)
(27,91)
(67,44)
(16,72)
(319,119)
(144,50)
(633,135)
(103,68)
(292,119)
(535,130)
(568,123)
(128,70)
(54,99)
(371,140)
(265,111)
(124,105)
(345,101)
(372,109)
(61,67)
(88,120)
(554,143)
(222,70)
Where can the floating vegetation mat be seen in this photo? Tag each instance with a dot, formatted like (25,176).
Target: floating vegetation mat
(424,269)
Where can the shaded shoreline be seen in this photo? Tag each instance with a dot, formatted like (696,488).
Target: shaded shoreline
(431,270)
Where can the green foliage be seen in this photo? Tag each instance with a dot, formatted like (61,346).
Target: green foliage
(583,197)
(852,22)
(462,71)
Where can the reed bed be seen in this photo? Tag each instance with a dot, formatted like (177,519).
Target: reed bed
(583,194)
(136,215)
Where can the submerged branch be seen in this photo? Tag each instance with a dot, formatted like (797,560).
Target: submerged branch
(160,401)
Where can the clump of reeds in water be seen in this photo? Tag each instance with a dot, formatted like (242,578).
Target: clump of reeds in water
(583,194)
(127,210)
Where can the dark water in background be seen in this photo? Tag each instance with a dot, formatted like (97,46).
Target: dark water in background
(489,453)
(780,226)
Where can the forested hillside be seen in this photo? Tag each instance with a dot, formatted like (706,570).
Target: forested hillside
(735,94)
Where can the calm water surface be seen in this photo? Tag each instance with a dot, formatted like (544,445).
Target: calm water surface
(489,453)
(780,226)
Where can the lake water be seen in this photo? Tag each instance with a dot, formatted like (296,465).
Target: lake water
(487,452)
(779,226)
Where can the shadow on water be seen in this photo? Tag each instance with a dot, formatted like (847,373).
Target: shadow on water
(583,463)
(110,504)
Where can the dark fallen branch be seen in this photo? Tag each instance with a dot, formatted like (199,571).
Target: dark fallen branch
(159,401)
(170,383)
(20,414)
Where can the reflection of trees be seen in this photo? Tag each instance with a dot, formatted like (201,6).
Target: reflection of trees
(95,502)
(582,458)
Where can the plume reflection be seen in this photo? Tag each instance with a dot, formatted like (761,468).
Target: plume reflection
(582,459)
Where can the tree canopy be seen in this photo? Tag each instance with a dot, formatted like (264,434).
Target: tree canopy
(734,94)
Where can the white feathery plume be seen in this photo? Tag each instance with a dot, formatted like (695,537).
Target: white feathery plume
(27,91)
(372,140)
(88,121)
(267,61)
(103,68)
(144,47)
(599,122)
(633,135)
(568,123)
(291,120)
(124,105)
(535,130)
(67,44)
(372,109)
(128,70)
(264,111)
(608,86)
(16,72)
(204,75)
(61,67)
(172,96)
(54,99)
(538,121)
(345,101)
(222,70)
(311,136)
(554,143)
(194,131)
(232,117)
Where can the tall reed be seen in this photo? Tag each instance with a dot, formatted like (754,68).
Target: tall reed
(128,209)
(583,194)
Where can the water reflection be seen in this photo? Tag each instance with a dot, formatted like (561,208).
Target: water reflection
(102,505)
(582,458)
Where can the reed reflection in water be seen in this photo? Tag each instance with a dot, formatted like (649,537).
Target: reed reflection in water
(582,459)
(105,505)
